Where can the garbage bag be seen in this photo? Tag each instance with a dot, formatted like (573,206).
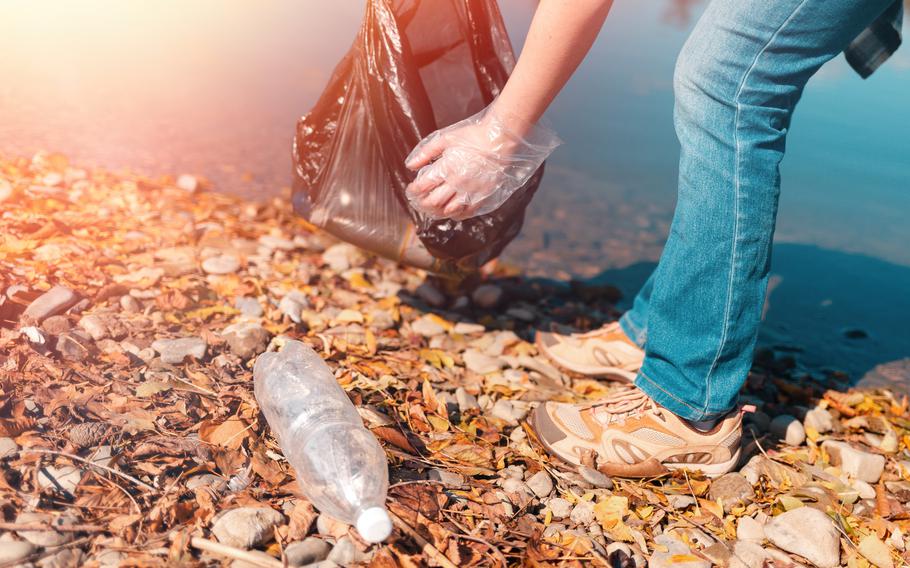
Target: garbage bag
(415,66)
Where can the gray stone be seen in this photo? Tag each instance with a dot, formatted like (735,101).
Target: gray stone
(860,464)
(582,513)
(48,537)
(94,326)
(64,478)
(512,485)
(446,478)
(6,190)
(778,473)
(292,304)
(307,551)
(820,420)
(466,401)
(788,429)
(273,242)
(540,483)
(130,304)
(246,339)
(249,307)
(481,363)
(680,501)
(8,447)
(429,294)
(55,301)
(560,507)
(748,528)
(787,531)
(748,554)
(341,257)
(345,552)
(222,264)
(73,346)
(15,550)
(866,491)
(246,527)
(505,410)
(173,351)
(187,182)
(465,328)
(202,480)
(595,477)
(55,325)
(677,554)
(732,489)
(427,327)
(177,261)
(487,296)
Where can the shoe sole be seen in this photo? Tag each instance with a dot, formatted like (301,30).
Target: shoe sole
(617,374)
(644,469)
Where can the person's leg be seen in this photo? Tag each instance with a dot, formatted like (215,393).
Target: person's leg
(737,82)
(635,321)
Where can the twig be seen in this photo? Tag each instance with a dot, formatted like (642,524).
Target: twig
(492,548)
(235,553)
(425,545)
(128,477)
(49,527)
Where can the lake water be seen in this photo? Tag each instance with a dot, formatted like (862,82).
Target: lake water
(213,87)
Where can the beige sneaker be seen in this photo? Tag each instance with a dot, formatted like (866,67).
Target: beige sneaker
(606,352)
(632,436)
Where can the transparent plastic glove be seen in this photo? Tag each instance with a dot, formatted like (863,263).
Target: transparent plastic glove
(472,167)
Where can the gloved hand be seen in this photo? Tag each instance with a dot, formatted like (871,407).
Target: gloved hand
(472,167)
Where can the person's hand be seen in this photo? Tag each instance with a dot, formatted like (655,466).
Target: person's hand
(472,167)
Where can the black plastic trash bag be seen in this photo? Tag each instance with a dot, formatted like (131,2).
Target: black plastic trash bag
(415,66)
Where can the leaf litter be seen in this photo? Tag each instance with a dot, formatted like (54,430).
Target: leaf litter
(131,314)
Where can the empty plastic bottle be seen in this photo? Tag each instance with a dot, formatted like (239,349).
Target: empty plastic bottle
(340,466)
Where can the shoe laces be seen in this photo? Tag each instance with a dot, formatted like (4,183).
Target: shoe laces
(628,403)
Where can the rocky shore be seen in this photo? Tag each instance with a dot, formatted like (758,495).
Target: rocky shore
(132,309)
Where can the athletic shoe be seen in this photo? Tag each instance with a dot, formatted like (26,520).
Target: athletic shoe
(630,435)
(606,352)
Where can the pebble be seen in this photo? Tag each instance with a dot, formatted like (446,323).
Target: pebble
(307,551)
(6,190)
(619,555)
(55,325)
(429,294)
(273,242)
(55,301)
(345,553)
(13,551)
(748,528)
(677,501)
(187,182)
(249,307)
(95,327)
(595,477)
(73,346)
(246,339)
(109,558)
(561,508)
(748,554)
(202,480)
(173,351)
(787,531)
(860,464)
(427,326)
(778,473)
(875,551)
(177,261)
(677,555)
(582,513)
(820,420)
(512,485)
(340,257)
(292,304)
(466,401)
(788,429)
(130,304)
(8,447)
(504,409)
(46,537)
(540,483)
(144,278)
(487,296)
(732,490)
(481,363)
(246,527)
(864,490)
(447,478)
(222,264)
(64,478)
(465,328)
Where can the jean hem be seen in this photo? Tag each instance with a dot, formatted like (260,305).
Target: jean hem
(674,404)
(637,334)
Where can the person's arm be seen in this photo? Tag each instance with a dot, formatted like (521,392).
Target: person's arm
(483,172)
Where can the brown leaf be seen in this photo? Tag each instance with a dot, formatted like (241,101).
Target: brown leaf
(229,434)
(394,437)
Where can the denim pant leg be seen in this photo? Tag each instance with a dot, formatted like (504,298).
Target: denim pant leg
(737,82)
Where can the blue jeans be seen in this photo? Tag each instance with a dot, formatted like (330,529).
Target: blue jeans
(737,82)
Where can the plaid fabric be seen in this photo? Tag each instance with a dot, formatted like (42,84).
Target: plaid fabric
(877,42)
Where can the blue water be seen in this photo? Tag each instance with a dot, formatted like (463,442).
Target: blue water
(215,88)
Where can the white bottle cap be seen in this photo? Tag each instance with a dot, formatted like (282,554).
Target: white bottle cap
(374,524)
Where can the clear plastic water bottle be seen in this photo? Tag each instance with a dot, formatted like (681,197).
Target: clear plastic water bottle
(340,466)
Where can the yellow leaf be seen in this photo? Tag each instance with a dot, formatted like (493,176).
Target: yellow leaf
(357,280)
(811,433)
(151,388)
(645,512)
(789,502)
(438,423)
(349,316)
